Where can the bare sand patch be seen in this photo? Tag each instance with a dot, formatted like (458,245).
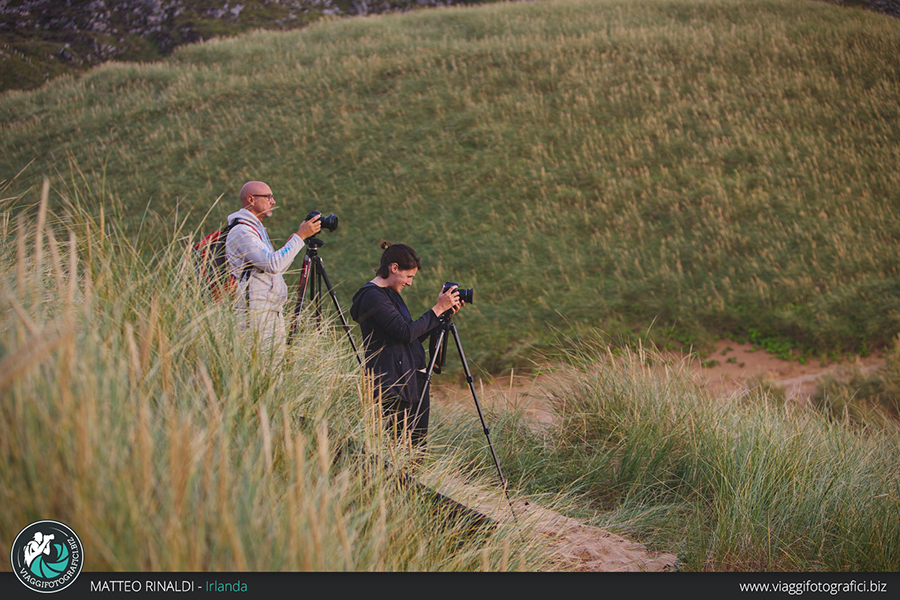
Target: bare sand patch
(729,369)
(748,364)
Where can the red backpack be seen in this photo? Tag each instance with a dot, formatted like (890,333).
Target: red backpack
(212,265)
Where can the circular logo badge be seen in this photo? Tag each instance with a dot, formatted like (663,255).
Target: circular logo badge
(47,556)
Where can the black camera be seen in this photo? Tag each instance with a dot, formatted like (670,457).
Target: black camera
(329,222)
(467,295)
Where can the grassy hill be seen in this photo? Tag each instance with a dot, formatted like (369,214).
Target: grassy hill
(671,169)
(42,39)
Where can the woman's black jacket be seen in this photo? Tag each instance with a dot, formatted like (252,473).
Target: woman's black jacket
(392,340)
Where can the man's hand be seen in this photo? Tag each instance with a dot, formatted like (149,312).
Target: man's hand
(309,228)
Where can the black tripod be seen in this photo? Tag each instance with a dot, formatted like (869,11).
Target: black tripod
(438,356)
(312,275)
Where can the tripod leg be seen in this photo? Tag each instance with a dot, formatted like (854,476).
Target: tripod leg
(337,306)
(317,290)
(430,372)
(487,432)
(301,292)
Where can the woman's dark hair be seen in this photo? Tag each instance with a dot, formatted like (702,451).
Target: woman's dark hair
(405,257)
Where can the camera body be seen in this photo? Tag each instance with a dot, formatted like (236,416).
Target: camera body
(330,222)
(466,295)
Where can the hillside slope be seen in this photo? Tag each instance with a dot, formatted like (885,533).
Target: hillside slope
(671,169)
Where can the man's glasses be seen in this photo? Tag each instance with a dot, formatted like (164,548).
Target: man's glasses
(269,196)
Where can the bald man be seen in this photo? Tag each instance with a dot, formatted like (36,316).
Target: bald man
(258,267)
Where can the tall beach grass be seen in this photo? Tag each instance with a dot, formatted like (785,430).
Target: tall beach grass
(131,410)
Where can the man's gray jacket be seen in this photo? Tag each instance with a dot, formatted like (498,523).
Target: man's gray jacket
(248,244)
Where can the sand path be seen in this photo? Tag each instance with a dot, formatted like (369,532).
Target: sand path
(574,545)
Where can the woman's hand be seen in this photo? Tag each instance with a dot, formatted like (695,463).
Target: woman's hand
(447,300)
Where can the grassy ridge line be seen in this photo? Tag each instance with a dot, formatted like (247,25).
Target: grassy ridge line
(134,412)
(701,166)
(745,484)
(40,39)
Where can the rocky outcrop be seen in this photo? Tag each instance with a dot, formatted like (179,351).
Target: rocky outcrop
(41,38)
(888,7)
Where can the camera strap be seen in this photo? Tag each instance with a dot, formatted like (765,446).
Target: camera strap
(247,270)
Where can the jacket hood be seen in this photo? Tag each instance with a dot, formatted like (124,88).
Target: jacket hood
(245,215)
(354,308)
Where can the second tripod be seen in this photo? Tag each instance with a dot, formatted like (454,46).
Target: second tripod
(312,276)
(438,356)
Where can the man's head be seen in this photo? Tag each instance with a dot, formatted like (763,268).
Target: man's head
(257,197)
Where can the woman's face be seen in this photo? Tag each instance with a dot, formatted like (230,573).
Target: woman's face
(400,278)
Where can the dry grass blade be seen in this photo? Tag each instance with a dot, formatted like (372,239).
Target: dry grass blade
(16,365)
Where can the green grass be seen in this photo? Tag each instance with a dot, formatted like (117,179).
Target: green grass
(662,169)
(744,484)
(863,397)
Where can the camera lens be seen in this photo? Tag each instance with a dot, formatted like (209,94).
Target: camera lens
(330,222)
(467,295)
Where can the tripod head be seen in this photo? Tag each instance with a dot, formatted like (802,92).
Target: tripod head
(314,281)
(313,243)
